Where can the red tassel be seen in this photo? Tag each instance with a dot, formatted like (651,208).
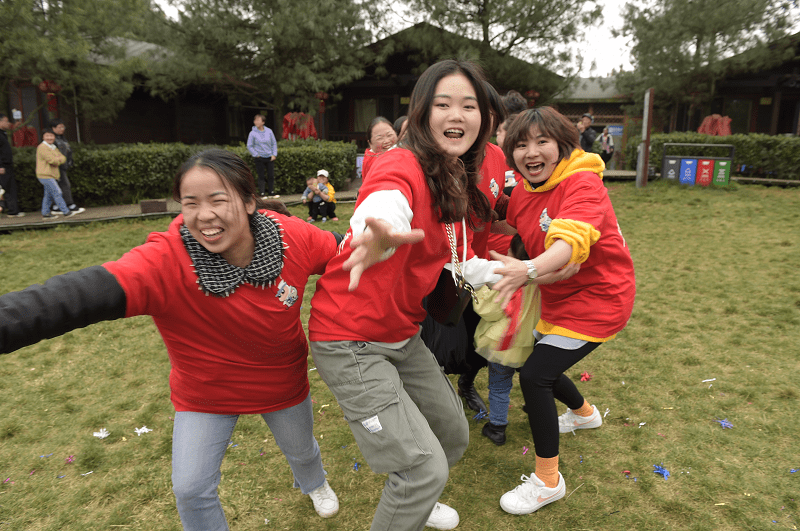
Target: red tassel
(513,312)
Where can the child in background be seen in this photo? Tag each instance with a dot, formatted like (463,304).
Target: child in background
(314,189)
(330,201)
(505,339)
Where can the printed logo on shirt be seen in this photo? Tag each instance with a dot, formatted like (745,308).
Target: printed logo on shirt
(544,221)
(493,186)
(347,236)
(286,294)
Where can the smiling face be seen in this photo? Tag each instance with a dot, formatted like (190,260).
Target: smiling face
(536,156)
(217,216)
(49,138)
(455,119)
(382,137)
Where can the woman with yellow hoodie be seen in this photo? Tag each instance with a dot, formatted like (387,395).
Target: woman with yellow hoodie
(564,216)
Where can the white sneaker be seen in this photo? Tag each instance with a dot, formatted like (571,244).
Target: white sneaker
(325,501)
(531,495)
(77,210)
(569,421)
(442,517)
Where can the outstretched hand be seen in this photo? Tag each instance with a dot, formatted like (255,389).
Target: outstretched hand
(515,275)
(369,247)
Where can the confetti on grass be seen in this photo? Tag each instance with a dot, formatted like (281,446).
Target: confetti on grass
(102,434)
(724,423)
(525,451)
(585,376)
(143,429)
(480,415)
(661,471)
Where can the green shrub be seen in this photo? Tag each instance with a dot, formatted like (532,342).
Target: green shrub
(775,157)
(128,173)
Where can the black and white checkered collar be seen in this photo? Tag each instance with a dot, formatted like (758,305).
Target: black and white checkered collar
(217,277)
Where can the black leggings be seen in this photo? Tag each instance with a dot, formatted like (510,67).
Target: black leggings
(542,379)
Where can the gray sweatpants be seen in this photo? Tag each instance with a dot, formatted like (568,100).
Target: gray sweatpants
(406,418)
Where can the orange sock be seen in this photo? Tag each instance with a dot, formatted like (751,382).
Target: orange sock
(585,410)
(547,470)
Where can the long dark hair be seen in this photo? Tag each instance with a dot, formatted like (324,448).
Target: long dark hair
(453,183)
(231,169)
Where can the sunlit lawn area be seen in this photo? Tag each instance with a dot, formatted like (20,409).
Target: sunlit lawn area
(714,336)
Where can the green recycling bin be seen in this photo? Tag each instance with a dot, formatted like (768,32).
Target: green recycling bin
(722,172)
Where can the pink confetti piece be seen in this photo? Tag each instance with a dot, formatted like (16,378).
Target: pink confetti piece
(70,459)
(585,376)
(524,450)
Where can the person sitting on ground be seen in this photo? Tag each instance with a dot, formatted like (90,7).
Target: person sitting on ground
(315,190)
(330,201)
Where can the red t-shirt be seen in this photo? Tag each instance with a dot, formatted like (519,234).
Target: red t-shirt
(245,353)
(491,184)
(598,300)
(387,306)
(366,163)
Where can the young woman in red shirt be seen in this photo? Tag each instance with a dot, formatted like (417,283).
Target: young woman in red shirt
(365,325)
(224,285)
(564,216)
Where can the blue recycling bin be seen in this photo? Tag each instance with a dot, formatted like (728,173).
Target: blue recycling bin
(688,171)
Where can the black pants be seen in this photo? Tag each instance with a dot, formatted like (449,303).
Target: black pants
(261,163)
(9,184)
(329,210)
(316,209)
(66,189)
(542,380)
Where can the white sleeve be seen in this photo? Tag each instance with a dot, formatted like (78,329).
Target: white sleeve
(388,205)
(479,271)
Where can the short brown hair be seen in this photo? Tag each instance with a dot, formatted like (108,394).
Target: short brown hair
(550,123)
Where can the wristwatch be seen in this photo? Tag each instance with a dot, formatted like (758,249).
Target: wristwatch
(532,273)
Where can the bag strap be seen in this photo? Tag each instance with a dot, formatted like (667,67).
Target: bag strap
(458,275)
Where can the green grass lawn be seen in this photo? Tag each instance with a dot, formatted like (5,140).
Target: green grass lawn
(715,334)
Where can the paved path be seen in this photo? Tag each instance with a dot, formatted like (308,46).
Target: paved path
(34,220)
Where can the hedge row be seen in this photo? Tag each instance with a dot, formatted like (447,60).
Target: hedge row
(757,155)
(128,173)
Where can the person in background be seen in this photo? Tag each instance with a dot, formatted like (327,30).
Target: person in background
(380,137)
(262,145)
(8,203)
(400,126)
(505,339)
(48,159)
(312,196)
(564,216)
(224,285)
(587,134)
(606,146)
(330,197)
(514,102)
(63,181)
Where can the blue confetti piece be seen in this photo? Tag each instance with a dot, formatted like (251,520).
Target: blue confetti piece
(43,456)
(724,423)
(660,470)
(793,470)
(59,477)
(480,415)
(355,467)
